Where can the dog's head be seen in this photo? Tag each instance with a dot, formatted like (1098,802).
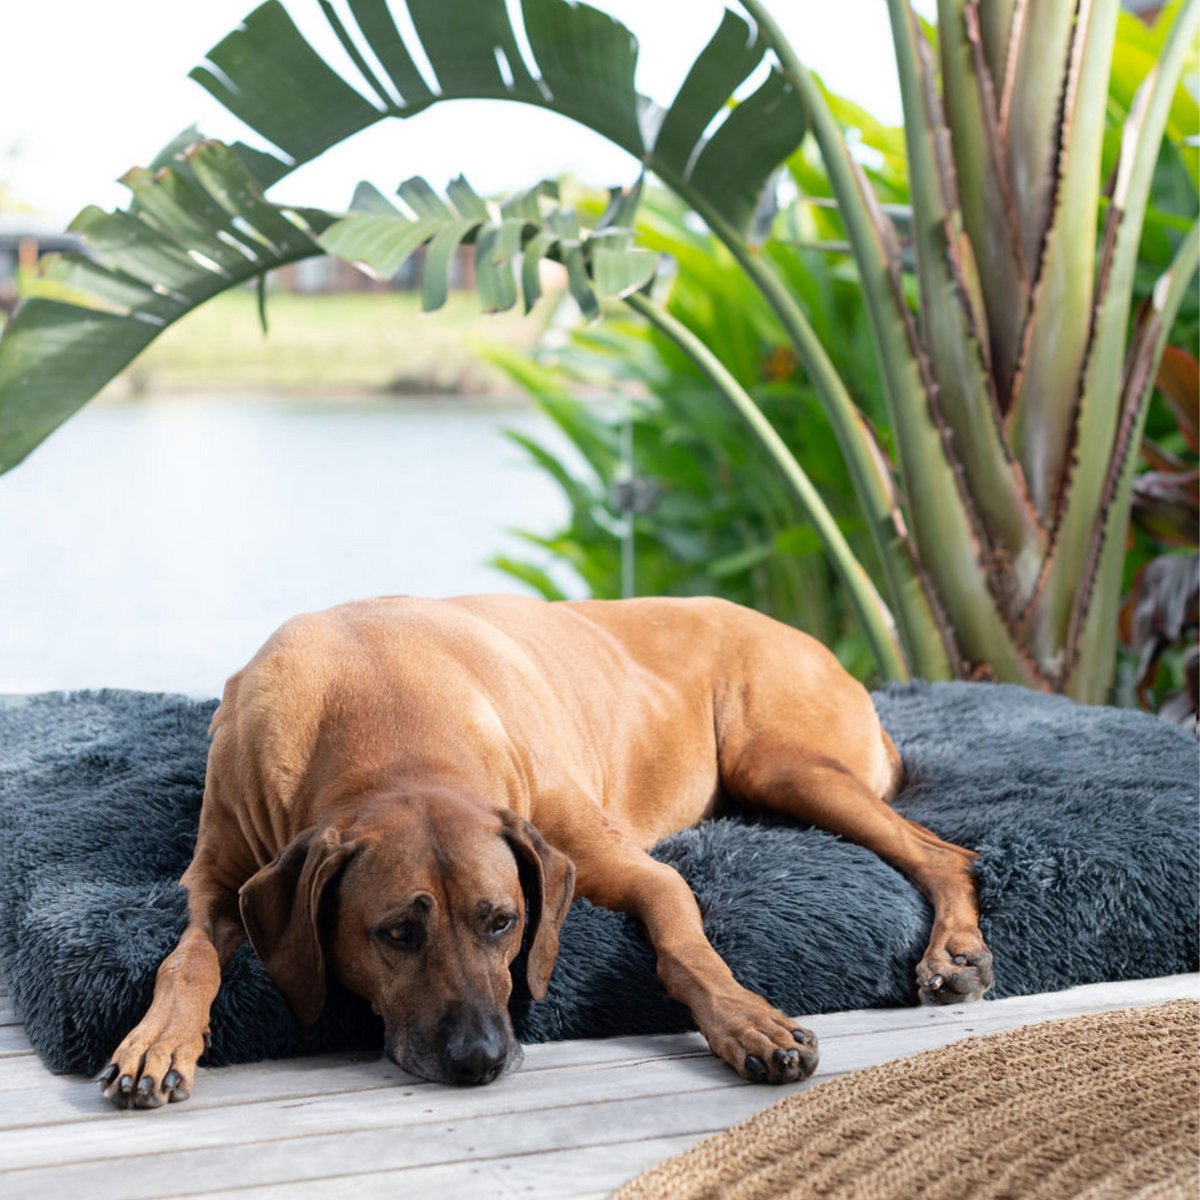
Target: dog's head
(419,904)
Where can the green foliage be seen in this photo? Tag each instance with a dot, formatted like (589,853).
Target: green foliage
(85,318)
(738,534)
(199,223)
(1018,253)
(723,523)
(532,224)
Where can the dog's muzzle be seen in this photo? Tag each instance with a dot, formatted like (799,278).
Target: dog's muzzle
(475,1045)
(470,1046)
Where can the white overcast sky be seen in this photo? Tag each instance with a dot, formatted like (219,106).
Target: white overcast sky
(89,89)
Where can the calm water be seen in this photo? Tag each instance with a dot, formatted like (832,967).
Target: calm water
(156,545)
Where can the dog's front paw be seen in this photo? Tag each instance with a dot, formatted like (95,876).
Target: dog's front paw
(761,1044)
(152,1066)
(955,970)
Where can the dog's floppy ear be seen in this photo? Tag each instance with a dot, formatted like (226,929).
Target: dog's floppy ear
(548,877)
(281,906)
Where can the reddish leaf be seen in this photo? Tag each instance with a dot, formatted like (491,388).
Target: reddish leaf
(1166,505)
(1179,380)
(1160,459)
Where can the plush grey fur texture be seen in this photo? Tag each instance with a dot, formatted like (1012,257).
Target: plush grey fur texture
(1085,820)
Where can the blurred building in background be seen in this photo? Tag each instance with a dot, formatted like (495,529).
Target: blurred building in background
(23,241)
(323,276)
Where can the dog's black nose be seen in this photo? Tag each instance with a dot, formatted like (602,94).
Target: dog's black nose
(475,1049)
(476,1062)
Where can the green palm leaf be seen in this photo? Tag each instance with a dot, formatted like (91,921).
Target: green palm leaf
(600,262)
(199,221)
(584,64)
(194,229)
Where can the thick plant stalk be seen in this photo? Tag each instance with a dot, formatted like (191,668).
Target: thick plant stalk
(1097,409)
(1058,328)
(942,525)
(1031,100)
(988,212)
(953,325)
(924,638)
(872,612)
(1091,642)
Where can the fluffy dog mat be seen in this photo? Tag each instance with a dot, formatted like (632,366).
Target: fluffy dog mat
(1098,1107)
(1084,818)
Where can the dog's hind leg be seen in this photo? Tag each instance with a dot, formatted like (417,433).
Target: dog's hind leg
(156,1063)
(771,775)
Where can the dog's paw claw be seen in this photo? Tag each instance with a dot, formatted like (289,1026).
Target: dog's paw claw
(152,1067)
(762,1044)
(954,978)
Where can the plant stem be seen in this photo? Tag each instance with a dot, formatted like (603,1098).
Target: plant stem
(1093,646)
(869,473)
(935,505)
(876,619)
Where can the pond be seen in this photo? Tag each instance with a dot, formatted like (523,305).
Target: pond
(156,544)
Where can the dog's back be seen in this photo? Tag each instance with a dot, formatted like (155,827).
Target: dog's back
(613,701)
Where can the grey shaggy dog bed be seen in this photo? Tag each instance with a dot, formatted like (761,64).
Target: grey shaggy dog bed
(1085,820)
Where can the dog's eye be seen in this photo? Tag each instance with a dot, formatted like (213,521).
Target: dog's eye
(400,935)
(501,924)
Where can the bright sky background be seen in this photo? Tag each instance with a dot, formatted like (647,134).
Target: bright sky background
(88,90)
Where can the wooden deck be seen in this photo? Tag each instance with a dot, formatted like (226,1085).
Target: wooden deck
(579,1119)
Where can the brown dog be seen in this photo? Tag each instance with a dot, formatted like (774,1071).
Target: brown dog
(397,787)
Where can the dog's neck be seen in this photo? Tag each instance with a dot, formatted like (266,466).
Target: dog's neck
(379,799)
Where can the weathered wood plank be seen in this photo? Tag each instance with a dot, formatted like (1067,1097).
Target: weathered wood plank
(331,1154)
(13,1041)
(107,1134)
(530,1177)
(25,1073)
(389,1109)
(68,1098)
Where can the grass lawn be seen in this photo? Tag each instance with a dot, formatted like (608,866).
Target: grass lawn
(351,342)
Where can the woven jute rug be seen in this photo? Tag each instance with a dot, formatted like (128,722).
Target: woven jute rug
(1098,1107)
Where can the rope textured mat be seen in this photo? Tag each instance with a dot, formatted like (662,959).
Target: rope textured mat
(1098,1107)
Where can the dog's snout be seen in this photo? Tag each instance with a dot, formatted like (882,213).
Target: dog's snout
(478,1061)
(475,1047)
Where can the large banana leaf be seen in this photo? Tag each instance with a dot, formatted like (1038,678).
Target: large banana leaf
(199,222)
(583,67)
(194,228)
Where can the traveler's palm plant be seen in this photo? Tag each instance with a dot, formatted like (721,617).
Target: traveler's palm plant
(1015,391)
